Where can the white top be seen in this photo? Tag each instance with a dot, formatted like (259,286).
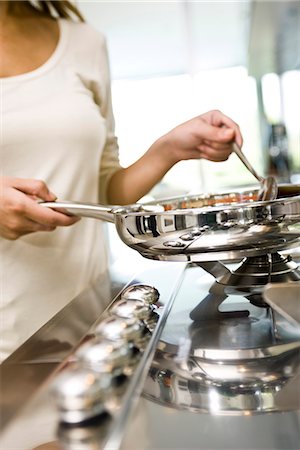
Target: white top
(57,122)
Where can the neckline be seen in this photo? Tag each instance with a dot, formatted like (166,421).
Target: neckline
(50,62)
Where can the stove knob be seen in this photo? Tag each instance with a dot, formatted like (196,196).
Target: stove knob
(80,394)
(136,308)
(174,244)
(105,356)
(117,328)
(83,436)
(128,308)
(187,237)
(151,322)
(148,294)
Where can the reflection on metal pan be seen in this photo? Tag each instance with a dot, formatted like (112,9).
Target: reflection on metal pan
(203,227)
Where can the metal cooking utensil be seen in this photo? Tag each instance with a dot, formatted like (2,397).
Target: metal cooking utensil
(268,186)
(268,190)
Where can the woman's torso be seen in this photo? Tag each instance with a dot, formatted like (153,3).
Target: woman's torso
(52,129)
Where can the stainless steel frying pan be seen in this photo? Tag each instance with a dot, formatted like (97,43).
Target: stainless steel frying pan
(204,227)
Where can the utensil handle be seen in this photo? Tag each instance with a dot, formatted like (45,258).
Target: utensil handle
(245,161)
(92,210)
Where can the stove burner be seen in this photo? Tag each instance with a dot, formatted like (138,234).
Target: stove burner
(253,274)
(227,356)
(228,389)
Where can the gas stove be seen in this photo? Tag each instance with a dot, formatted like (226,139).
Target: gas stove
(221,352)
(185,356)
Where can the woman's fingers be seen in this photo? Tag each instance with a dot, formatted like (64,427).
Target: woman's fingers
(31,218)
(218,145)
(25,206)
(212,154)
(47,216)
(218,119)
(212,133)
(215,150)
(34,188)
(14,225)
(217,136)
(20,213)
(202,137)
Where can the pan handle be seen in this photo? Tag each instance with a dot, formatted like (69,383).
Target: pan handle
(92,210)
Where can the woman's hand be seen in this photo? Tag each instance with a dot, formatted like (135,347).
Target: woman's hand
(208,136)
(20,213)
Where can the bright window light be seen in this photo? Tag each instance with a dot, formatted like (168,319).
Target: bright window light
(146,109)
(291,107)
(271,93)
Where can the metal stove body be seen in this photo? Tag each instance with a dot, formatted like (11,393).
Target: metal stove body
(221,372)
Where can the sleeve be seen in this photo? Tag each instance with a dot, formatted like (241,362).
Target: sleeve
(102,94)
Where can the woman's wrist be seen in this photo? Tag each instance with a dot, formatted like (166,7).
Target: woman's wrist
(163,153)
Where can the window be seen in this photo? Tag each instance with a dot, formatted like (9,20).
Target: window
(145,109)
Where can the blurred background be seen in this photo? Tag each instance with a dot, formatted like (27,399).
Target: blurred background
(172,60)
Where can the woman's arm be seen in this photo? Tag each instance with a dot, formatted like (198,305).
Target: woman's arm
(208,136)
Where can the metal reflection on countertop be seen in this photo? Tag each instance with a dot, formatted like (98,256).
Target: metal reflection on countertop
(224,356)
(225,386)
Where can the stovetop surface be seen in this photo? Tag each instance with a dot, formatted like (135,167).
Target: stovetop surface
(226,382)
(236,355)
(205,316)
(229,381)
